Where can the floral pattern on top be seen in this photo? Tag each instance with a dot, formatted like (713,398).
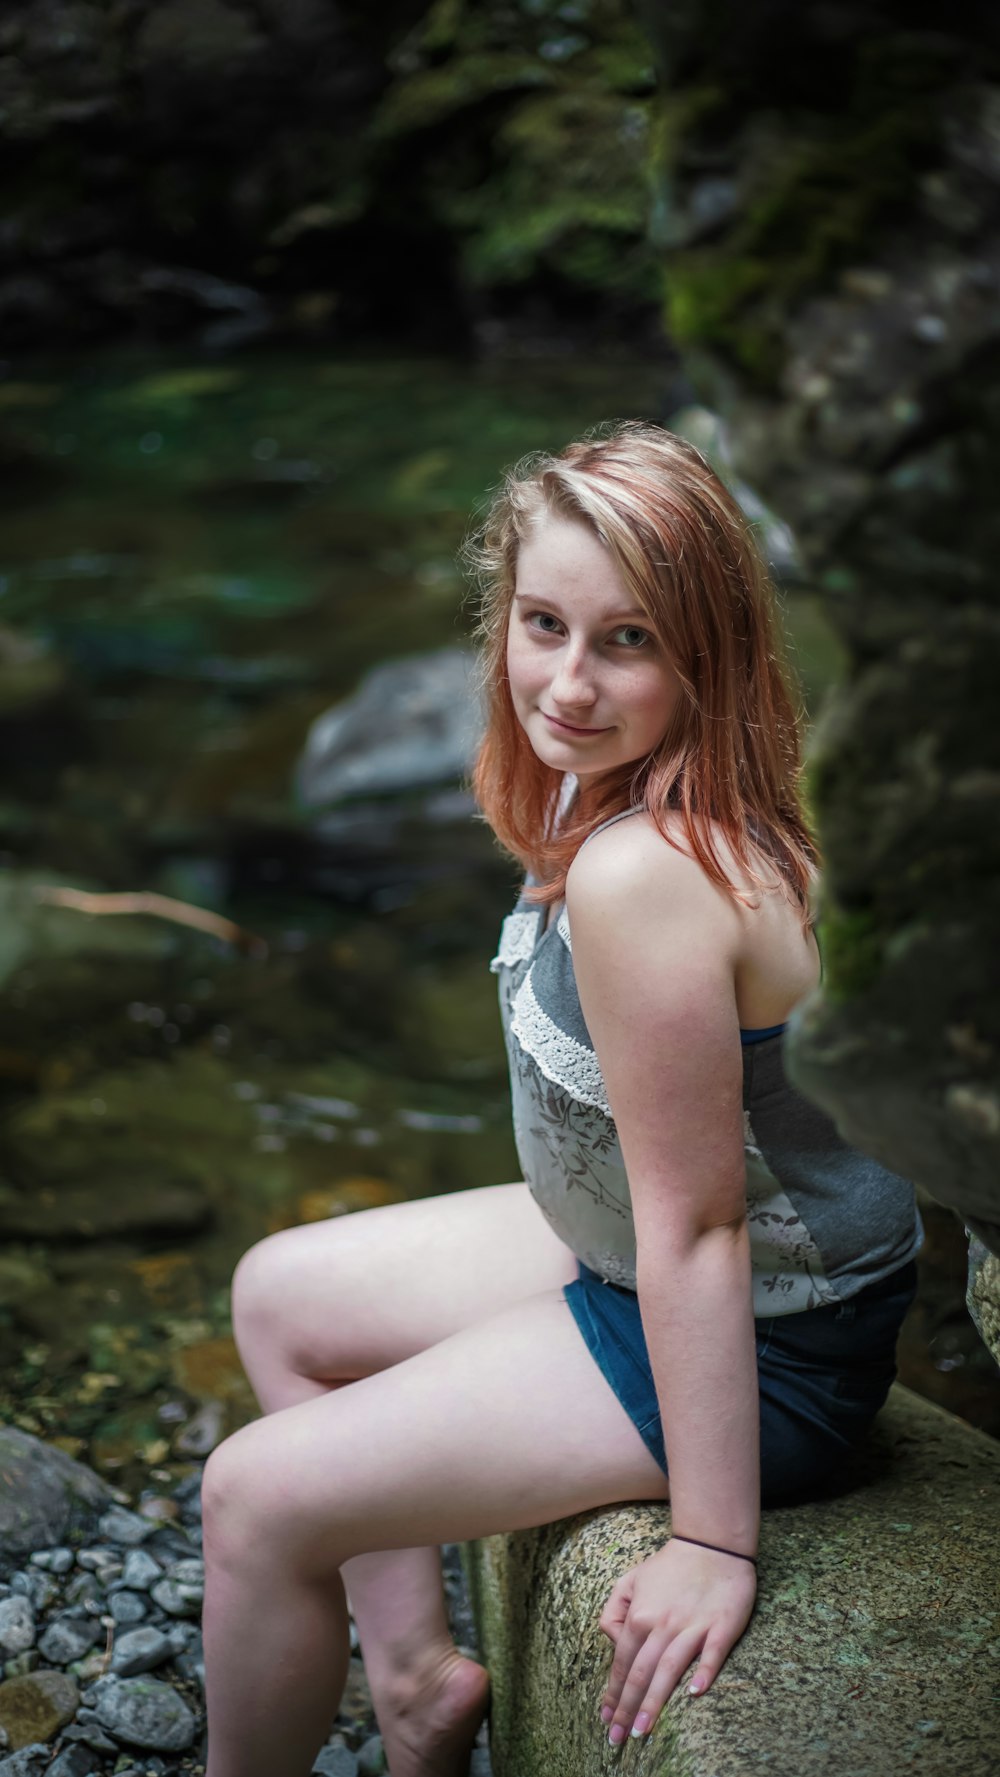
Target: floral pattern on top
(777,1231)
(572,1161)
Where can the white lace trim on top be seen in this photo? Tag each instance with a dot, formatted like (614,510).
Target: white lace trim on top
(517,940)
(562,927)
(559,1057)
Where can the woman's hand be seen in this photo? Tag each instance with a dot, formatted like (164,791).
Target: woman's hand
(682,1604)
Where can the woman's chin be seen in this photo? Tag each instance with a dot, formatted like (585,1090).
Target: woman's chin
(581,761)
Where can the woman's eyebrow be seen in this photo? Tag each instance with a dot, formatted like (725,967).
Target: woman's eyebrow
(625,615)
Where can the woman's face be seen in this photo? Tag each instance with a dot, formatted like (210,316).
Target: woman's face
(591,685)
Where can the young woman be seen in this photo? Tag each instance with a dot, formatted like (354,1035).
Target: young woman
(695,1262)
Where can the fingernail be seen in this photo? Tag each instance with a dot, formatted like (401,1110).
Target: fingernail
(641,1725)
(696,1687)
(606,1713)
(616,1734)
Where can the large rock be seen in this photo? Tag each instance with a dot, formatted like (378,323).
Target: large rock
(381,777)
(411,723)
(44,1496)
(872,1650)
(853,342)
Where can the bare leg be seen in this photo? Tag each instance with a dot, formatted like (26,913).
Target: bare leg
(467,1438)
(304,1308)
(429,1699)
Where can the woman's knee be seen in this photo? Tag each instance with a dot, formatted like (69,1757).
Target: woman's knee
(263,1284)
(232,1501)
(251,1506)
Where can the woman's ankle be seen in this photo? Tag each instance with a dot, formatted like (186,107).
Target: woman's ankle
(409,1676)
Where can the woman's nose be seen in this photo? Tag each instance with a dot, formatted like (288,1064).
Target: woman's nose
(574,682)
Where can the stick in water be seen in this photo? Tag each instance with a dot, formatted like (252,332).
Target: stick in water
(159,906)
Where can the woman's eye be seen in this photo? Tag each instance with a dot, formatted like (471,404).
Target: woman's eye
(631,636)
(544,621)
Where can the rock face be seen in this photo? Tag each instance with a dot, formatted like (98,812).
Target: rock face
(43,1495)
(196,89)
(220,168)
(832,269)
(870,1651)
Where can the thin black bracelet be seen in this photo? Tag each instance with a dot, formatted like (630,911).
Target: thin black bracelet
(714,1548)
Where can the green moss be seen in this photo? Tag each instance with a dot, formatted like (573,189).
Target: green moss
(435,95)
(813,207)
(705,290)
(523,136)
(853,947)
(442,25)
(186,383)
(680,114)
(567,194)
(624,66)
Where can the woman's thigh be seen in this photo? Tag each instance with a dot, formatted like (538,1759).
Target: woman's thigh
(504,1425)
(342,1299)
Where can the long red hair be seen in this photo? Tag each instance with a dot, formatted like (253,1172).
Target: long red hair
(733,755)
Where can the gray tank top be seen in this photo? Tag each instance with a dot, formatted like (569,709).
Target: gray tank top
(824,1219)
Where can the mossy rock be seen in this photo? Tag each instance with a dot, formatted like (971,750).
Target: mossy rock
(871,1651)
(813,184)
(34,1708)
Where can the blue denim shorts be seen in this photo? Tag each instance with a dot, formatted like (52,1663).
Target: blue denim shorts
(823,1373)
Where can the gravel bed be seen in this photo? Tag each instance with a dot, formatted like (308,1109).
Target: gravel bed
(101,1654)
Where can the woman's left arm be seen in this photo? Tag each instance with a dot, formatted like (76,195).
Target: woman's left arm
(654,947)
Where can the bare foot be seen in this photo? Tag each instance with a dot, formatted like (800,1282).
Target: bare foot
(430,1729)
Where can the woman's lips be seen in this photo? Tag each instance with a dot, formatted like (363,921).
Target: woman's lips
(568,728)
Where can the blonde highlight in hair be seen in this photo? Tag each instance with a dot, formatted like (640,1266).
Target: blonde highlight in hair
(731,762)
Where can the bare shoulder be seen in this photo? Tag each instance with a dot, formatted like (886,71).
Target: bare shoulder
(630,870)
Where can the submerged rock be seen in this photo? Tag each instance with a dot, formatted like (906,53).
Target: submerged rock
(31,928)
(105,1211)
